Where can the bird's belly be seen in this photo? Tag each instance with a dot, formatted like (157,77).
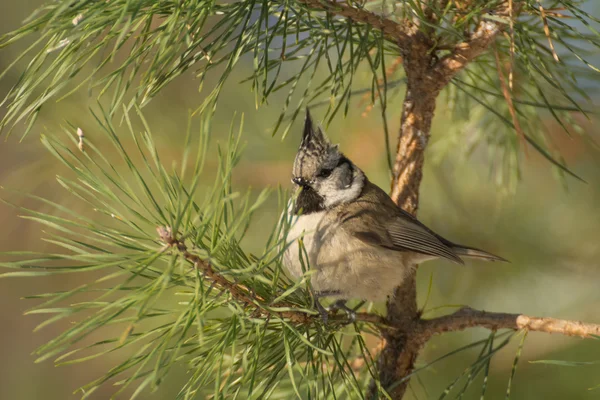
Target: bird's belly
(356,270)
(303,227)
(343,265)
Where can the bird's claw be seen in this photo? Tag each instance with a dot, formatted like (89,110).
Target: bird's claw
(341,305)
(337,305)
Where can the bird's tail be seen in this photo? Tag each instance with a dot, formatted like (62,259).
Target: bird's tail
(464,251)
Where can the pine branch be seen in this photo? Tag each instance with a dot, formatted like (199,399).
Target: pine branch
(470,318)
(244,296)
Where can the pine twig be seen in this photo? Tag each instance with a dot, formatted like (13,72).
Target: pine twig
(547,31)
(243,295)
(507,93)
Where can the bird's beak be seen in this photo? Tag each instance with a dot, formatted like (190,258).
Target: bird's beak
(300,181)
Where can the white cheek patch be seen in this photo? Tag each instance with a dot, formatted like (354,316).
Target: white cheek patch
(334,195)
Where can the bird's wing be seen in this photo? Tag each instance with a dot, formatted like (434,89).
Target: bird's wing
(388,228)
(407,235)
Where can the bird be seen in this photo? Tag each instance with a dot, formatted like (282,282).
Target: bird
(357,242)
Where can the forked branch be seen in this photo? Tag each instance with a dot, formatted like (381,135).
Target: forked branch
(478,42)
(407,34)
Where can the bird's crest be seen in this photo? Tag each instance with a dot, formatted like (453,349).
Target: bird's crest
(315,151)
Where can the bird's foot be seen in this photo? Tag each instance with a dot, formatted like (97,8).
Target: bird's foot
(341,305)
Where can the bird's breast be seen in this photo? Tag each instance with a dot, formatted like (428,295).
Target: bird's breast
(302,227)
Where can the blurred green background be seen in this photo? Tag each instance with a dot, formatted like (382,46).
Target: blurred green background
(549,232)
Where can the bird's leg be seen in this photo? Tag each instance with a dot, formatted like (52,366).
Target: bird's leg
(322,310)
(341,305)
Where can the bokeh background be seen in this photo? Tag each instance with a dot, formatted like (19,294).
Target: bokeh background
(550,232)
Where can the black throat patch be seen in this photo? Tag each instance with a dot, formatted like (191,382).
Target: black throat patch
(309,202)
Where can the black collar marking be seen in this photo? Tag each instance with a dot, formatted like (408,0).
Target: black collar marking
(308,202)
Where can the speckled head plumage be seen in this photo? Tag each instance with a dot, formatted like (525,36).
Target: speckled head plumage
(315,152)
(326,176)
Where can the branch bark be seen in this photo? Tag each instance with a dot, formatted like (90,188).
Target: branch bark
(468,318)
(401,347)
(426,77)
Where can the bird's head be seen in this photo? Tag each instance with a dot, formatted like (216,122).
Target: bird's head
(326,176)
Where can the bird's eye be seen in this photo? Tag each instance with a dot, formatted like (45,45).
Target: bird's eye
(324,173)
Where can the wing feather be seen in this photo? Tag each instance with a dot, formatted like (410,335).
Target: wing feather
(407,235)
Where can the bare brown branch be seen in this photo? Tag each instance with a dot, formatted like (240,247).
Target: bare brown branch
(401,347)
(469,318)
(465,52)
(422,87)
